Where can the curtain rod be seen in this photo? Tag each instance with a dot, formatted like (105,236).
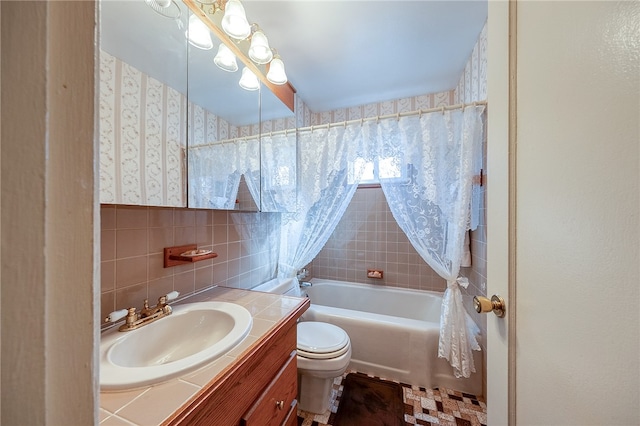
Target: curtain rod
(344,123)
(384,117)
(223,141)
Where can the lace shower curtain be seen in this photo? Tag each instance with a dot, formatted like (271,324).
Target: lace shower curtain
(214,175)
(431,203)
(425,164)
(279,170)
(327,181)
(249,165)
(215,171)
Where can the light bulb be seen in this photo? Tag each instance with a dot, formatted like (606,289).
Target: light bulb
(225,59)
(259,51)
(248,80)
(234,21)
(198,34)
(276,73)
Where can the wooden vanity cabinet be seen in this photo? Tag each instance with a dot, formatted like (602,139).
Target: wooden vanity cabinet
(278,398)
(259,389)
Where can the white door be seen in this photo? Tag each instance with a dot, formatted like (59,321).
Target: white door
(563,213)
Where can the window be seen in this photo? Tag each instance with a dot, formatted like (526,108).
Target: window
(373,171)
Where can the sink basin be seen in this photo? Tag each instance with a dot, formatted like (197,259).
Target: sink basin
(194,334)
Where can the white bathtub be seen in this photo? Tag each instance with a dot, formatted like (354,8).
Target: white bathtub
(394,332)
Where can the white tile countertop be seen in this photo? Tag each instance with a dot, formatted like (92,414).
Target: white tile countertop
(155,404)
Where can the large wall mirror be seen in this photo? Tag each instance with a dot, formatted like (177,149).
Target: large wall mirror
(239,157)
(142,104)
(224,134)
(175,130)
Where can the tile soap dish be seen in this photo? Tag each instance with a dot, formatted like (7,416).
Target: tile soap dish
(174,256)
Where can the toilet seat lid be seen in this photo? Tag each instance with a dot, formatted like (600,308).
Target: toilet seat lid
(321,337)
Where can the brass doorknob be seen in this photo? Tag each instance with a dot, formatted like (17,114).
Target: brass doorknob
(496,304)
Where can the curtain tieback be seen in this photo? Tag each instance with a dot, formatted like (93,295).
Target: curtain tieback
(460,281)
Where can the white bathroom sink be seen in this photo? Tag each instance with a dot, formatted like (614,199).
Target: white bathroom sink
(194,334)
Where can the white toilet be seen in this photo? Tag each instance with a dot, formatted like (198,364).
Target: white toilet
(324,352)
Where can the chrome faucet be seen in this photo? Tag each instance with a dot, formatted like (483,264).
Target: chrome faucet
(134,320)
(302,274)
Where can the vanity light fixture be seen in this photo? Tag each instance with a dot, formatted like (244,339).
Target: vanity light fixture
(198,34)
(225,59)
(259,51)
(232,29)
(276,73)
(167,8)
(234,21)
(249,81)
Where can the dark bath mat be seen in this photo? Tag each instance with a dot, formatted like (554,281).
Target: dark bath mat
(369,401)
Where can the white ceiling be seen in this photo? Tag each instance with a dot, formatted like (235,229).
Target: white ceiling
(337,53)
(346,53)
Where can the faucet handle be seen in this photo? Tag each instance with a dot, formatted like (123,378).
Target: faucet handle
(116,315)
(163,300)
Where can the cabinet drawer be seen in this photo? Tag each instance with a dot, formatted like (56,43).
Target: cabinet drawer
(274,404)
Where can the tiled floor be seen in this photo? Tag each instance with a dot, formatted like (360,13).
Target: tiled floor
(422,407)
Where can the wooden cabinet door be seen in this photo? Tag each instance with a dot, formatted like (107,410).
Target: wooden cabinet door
(274,404)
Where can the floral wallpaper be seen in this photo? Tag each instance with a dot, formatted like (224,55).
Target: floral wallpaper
(383,108)
(142,137)
(473,82)
(144,128)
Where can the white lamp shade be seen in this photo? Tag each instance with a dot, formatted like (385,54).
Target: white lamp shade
(248,80)
(225,59)
(259,51)
(234,21)
(276,73)
(198,34)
